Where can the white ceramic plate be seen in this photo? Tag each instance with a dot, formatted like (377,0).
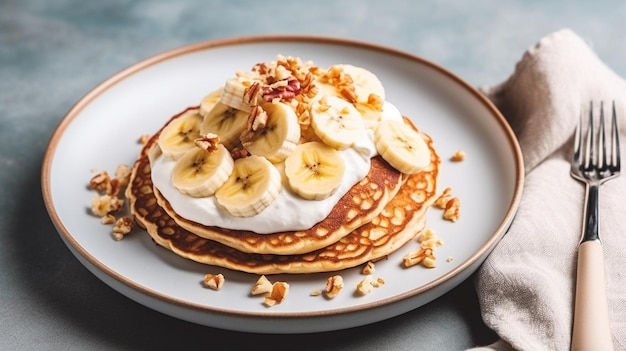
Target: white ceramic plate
(102,131)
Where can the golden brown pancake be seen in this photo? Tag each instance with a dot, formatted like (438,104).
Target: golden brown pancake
(358,206)
(401,219)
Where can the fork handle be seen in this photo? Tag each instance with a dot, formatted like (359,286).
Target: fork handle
(591,316)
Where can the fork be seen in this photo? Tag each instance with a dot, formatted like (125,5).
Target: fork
(593,165)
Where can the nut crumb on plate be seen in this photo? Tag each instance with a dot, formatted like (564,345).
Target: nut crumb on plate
(458,156)
(277,295)
(214,281)
(334,285)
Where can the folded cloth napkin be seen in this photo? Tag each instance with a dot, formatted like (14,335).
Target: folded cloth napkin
(526,287)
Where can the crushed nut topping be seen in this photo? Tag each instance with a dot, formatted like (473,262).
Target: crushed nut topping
(238,153)
(458,156)
(369,268)
(334,285)
(257,119)
(143,139)
(365,286)
(417,256)
(316,292)
(444,198)
(122,226)
(452,210)
(277,295)
(208,142)
(429,240)
(262,286)
(214,281)
(105,204)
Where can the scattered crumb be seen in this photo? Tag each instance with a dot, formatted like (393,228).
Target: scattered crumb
(451,211)
(334,285)
(458,156)
(316,292)
(123,226)
(418,256)
(277,295)
(214,281)
(143,139)
(262,286)
(369,268)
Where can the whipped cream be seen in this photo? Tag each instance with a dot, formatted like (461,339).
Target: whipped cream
(289,211)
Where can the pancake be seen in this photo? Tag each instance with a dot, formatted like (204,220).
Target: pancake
(359,205)
(399,221)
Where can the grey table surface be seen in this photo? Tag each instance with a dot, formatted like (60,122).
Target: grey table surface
(53,52)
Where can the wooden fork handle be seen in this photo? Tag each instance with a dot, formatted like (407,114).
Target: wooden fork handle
(591,316)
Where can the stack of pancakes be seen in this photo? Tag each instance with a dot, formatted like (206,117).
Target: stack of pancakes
(373,219)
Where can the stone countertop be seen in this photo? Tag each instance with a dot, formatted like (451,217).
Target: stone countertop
(53,52)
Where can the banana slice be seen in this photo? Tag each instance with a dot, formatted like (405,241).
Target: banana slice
(179,135)
(225,121)
(273,131)
(402,147)
(314,170)
(209,101)
(252,186)
(337,122)
(235,94)
(202,170)
(365,82)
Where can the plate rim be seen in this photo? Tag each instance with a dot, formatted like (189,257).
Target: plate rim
(139,66)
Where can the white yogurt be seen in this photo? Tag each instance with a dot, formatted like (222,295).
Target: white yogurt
(289,211)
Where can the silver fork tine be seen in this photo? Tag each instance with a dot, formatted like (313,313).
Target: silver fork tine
(589,145)
(615,152)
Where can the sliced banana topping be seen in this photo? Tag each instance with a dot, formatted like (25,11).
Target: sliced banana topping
(225,121)
(402,147)
(235,93)
(337,122)
(365,82)
(252,186)
(209,101)
(179,135)
(314,170)
(272,131)
(203,169)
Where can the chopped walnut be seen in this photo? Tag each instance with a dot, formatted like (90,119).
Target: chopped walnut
(458,156)
(369,268)
(378,282)
(444,198)
(316,292)
(208,142)
(105,204)
(103,183)
(108,219)
(429,240)
(100,181)
(365,286)
(122,227)
(334,285)
(417,256)
(143,139)
(277,295)
(214,281)
(238,153)
(122,174)
(262,286)
(451,212)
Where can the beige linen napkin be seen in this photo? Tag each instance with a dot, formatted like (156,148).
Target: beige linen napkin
(526,286)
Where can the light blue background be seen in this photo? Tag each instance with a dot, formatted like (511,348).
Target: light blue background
(53,52)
